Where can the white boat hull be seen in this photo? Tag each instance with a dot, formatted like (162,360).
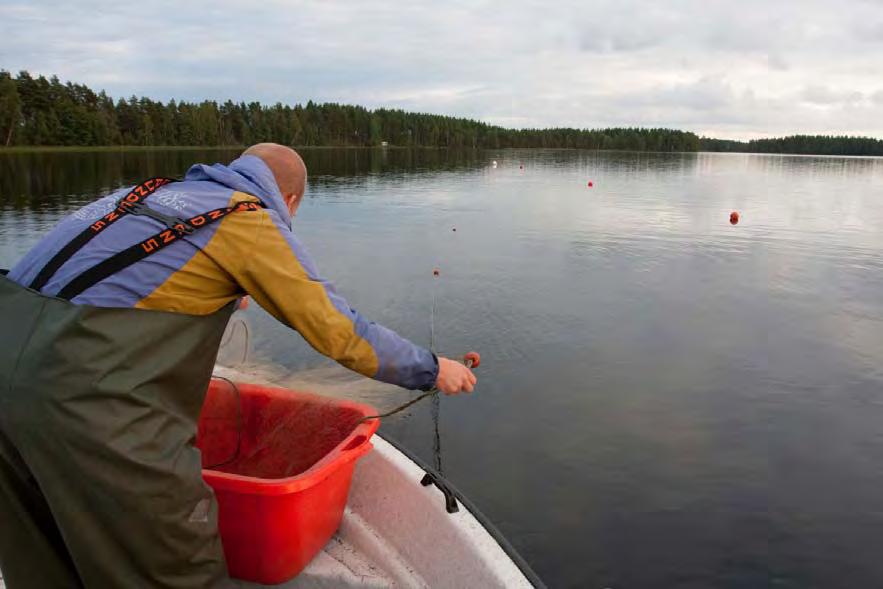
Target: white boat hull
(396,533)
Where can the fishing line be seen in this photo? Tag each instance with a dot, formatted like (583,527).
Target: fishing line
(436,442)
(433,392)
(436,400)
(238,424)
(230,332)
(471,360)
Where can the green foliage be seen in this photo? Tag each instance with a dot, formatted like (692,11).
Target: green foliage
(799,144)
(10,108)
(40,111)
(37,111)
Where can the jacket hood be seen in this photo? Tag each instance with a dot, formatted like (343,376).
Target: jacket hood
(247,174)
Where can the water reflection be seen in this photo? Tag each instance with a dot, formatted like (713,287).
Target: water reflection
(665,399)
(42,179)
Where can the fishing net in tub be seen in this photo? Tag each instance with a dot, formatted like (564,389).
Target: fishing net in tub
(280,463)
(271,433)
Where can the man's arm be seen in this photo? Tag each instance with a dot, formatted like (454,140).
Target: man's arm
(282,278)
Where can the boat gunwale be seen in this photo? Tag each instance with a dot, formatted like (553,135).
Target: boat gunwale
(482,519)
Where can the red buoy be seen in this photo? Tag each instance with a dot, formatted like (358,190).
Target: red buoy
(472,359)
(436,272)
(591,184)
(734,218)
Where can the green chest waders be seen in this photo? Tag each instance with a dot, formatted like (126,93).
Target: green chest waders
(100,483)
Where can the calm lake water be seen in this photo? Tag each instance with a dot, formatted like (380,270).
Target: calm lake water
(665,400)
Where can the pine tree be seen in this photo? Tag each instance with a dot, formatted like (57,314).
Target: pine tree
(10,108)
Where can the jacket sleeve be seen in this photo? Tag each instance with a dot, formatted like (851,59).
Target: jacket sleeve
(282,278)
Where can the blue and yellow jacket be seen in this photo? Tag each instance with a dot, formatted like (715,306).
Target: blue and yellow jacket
(248,252)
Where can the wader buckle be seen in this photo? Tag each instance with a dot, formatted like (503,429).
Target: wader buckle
(177,224)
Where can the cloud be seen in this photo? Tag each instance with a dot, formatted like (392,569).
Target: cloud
(740,69)
(871,31)
(825,96)
(777,62)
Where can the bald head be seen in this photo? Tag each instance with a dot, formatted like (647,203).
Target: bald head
(288,169)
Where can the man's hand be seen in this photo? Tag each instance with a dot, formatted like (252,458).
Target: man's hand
(453,377)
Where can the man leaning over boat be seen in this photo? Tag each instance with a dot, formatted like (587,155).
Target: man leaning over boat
(111,327)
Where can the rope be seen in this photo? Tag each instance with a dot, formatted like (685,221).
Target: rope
(402,407)
(436,442)
(436,400)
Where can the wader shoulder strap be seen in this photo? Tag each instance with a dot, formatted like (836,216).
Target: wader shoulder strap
(124,206)
(149,246)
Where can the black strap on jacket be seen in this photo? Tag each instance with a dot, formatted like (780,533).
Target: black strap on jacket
(134,198)
(145,248)
(176,229)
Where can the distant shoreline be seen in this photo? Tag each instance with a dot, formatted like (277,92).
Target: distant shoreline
(109,148)
(134,148)
(38,114)
(30,149)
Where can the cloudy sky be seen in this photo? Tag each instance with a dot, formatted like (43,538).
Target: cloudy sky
(736,68)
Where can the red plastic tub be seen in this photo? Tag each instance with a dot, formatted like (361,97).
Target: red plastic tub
(280,463)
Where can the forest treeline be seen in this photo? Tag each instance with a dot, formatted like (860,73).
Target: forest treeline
(799,144)
(41,111)
(35,111)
